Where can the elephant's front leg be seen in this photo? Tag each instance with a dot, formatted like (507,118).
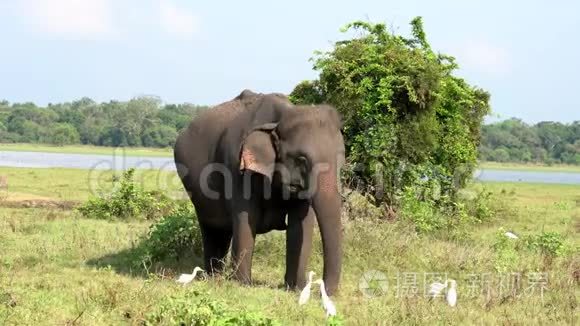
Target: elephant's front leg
(244,235)
(298,244)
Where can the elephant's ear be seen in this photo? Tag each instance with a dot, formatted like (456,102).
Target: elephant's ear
(259,148)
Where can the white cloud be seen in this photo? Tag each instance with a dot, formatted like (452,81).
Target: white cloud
(70,19)
(176,21)
(484,56)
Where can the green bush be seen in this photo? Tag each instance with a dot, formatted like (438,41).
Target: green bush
(475,204)
(548,243)
(485,205)
(197,308)
(174,235)
(421,211)
(358,206)
(506,254)
(127,201)
(406,117)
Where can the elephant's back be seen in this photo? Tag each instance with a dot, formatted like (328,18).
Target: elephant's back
(219,117)
(210,124)
(196,145)
(210,135)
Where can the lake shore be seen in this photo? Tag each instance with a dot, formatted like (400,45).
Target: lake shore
(88,149)
(167,152)
(529,167)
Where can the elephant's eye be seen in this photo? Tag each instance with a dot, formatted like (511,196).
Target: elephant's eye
(302,160)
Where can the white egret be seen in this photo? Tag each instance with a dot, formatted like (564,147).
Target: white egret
(436,288)
(451,293)
(326,302)
(187,278)
(305,294)
(510,235)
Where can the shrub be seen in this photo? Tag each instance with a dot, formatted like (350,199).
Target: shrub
(127,201)
(406,117)
(358,206)
(421,212)
(197,308)
(174,235)
(431,211)
(548,243)
(506,255)
(480,207)
(485,205)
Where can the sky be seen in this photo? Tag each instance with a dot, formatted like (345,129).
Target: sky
(206,52)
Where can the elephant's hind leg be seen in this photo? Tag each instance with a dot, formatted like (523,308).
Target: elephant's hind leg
(216,244)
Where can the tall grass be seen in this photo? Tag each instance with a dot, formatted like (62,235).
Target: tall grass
(57,267)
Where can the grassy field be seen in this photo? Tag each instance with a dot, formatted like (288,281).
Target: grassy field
(77,184)
(59,268)
(88,149)
(530,167)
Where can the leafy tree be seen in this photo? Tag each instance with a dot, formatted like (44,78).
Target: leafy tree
(159,136)
(117,136)
(407,119)
(140,121)
(513,140)
(501,155)
(29,131)
(64,134)
(180,115)
(92,131)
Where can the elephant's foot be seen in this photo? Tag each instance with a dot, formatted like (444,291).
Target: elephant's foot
(243,277)
(215,266)
(295,282)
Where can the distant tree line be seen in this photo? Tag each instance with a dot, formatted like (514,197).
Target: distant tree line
(546,142)
(145,121)
(142,121)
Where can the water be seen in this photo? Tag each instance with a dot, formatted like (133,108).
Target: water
(83,161)
(121,162)
(528,176)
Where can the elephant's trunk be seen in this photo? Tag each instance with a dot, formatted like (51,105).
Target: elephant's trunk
(327,205)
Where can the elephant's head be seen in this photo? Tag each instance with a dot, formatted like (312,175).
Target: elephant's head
(303,153)
(310,150)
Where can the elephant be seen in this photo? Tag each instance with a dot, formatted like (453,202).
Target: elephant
(258,163)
